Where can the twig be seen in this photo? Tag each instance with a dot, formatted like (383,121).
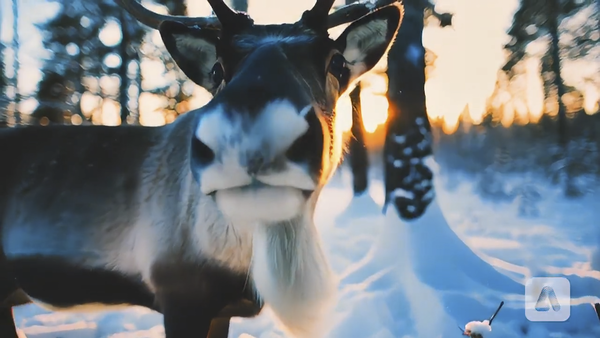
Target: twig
(495,313)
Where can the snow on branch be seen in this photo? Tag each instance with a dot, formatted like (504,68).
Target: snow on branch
(478,329)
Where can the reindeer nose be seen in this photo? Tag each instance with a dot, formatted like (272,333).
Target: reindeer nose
(202,155)
(259,142)
(308,148)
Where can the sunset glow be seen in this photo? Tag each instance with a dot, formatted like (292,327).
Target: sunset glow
(591,98)
(534,89)
(465,77)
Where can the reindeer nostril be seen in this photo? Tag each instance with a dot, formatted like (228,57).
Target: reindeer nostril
(201,154)
(310,143)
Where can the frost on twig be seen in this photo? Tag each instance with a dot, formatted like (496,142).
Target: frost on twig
(477,329)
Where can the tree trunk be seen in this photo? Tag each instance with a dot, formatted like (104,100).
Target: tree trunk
(408,181)
(3,99)
(553,22)
(359,160)
(2,77)
(15,44)
(125,59)
(358,153)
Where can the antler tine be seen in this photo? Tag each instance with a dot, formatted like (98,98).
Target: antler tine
(322,7)
(229,18)
(153,20)
(222,10)
(316,17)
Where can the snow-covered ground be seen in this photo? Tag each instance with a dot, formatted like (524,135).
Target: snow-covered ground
(419,279)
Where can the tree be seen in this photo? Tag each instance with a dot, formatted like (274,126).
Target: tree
(408,180)
(358,155)
(78,57)
(71,38)
(3,81)
(535,20)
(131,38)
(15,46)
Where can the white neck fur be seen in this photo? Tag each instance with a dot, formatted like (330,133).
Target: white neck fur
(292,275)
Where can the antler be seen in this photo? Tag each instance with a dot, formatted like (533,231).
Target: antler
(153,20)
(225,16)
(317,17)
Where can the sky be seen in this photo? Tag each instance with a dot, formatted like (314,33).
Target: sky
(469,53)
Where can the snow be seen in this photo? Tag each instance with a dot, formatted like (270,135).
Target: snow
(424,278)
(477,327)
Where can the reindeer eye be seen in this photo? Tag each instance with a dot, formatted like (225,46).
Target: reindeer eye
(217,74)
(337,67)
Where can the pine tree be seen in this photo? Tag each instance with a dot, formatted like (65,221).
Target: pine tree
(357,154)
(408,180)
(3,80)
(78,56)
(72,39)
(16,47)
(535,20)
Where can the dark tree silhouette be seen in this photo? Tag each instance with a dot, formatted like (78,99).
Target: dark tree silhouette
(16,46)
(535,19)
(3,81)
(77,54)
(408,181)
(357,150)
(54,90)
(358,155)
(71,38)
(542,19)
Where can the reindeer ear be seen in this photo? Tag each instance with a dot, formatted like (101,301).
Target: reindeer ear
(193,49)
(364,42)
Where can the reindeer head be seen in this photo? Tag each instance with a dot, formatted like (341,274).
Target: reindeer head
(267,142)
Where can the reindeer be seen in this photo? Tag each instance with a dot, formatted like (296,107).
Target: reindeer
(208,217)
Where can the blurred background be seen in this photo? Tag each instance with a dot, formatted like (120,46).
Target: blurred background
(490,87)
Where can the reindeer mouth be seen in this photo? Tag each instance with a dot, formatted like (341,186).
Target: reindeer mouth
(261,202)
(257,186)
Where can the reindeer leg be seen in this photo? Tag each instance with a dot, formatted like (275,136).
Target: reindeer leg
(219,328)
(8,286)
(7,323)
(186,322)
(188,317)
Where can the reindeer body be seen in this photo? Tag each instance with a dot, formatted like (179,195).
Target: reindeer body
(100,246)
(205,218)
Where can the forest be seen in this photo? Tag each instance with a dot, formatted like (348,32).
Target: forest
(99,66)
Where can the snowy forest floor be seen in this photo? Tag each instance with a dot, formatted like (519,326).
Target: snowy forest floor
(418,279)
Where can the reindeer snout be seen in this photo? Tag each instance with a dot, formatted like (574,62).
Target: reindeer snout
(276,145)
(259,140)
